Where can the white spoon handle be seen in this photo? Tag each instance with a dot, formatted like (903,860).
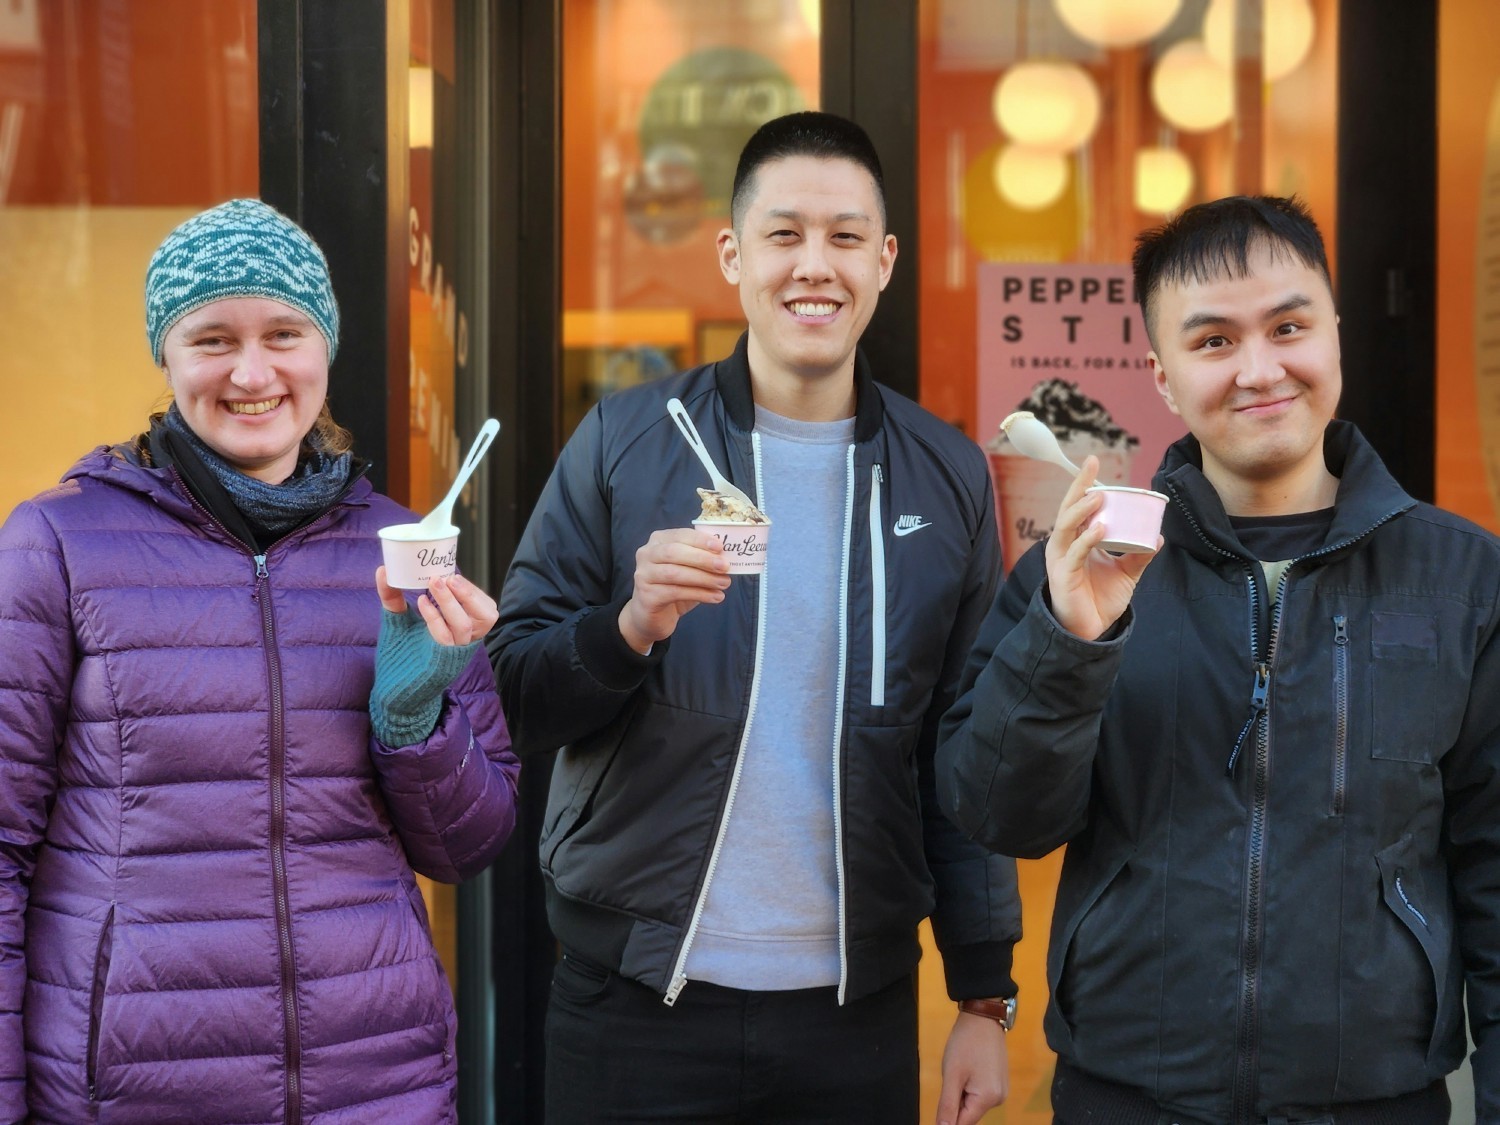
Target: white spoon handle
(690,432)
(486,435)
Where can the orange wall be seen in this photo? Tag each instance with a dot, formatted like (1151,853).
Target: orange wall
(1468,76)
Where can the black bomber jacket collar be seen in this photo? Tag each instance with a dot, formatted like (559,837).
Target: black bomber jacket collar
(1368,496)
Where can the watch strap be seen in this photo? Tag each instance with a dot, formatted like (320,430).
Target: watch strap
(1000,1009)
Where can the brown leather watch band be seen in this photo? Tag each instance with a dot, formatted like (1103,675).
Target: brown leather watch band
(1000,1009)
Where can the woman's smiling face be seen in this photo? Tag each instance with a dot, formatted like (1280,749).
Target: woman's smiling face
(250,375)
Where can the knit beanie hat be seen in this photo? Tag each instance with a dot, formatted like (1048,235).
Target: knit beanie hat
(243,248)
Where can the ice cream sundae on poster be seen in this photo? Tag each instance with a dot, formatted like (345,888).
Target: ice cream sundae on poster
(1067,343)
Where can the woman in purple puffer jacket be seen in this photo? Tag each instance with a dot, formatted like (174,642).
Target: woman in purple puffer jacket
(220,758)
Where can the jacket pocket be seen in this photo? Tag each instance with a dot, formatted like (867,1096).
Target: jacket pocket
(1404,686)
(1422,986)
(585,767)
(96,1001)
(1064,946)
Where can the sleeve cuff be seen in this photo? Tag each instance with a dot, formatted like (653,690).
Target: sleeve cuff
(604,653)
(979,971)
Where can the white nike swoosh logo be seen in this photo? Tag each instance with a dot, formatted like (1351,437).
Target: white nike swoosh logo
(909,528)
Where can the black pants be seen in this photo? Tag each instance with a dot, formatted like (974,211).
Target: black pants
(616,1053)
(1079,1098)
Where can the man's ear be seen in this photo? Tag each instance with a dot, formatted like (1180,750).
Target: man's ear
(887,260)
(1163,388)
(729,255)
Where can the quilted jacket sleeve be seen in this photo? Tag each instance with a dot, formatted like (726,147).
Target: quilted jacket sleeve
(453,796)
(1016,753)
(564,670)
(35,676)
(977,918)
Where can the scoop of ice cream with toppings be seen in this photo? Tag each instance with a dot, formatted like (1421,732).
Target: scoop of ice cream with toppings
(718,507)
(1082,426)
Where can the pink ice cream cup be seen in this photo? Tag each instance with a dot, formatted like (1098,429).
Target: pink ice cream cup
(1131,518)
(744,544)
(415,556)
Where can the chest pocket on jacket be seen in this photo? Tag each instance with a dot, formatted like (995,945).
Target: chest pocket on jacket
(1404,686)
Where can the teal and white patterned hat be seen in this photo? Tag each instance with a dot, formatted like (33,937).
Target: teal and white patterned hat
(243,248)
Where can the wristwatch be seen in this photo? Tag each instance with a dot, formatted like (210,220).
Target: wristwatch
(1000,1009)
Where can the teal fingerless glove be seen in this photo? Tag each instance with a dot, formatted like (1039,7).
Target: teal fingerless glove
(411,673)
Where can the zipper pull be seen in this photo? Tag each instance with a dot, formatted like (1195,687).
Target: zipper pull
(1258,696)
(260,576)
(678,984)
(1340,629)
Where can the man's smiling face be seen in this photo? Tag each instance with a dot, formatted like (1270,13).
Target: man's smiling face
(1251,365)
(810,260)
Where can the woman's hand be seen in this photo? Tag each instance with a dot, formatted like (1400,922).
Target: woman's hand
(457,612)
(1089,589)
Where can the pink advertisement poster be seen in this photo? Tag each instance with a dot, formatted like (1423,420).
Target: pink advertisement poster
(1067,343)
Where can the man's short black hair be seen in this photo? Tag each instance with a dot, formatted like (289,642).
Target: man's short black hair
(1214,240)
(825,136)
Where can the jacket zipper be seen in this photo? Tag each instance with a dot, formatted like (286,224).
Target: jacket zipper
(838,716)
(1248,1035)
(260,592)
(679,970)
(96,1003)
(877,592)
(1252,926)
(290,1025)
(1340,711)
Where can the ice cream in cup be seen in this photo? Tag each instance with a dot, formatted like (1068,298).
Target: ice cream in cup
(415,555)
(741,529)
(1131,518)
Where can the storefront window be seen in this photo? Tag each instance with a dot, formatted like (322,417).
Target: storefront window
(660,97)
(118,120)
(447,269)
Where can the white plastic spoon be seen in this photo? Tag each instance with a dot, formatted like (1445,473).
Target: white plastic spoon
(441,517)
(1035,438)
(721,483)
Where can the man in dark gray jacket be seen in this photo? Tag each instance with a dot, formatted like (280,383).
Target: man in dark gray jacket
(1273,752)
(742,834)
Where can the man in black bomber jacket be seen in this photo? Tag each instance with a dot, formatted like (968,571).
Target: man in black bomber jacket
(1273,753)
(742,834)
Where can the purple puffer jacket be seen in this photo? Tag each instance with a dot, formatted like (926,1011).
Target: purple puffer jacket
(207,907)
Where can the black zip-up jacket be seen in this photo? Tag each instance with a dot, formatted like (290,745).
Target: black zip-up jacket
(650,744)
(1241,934)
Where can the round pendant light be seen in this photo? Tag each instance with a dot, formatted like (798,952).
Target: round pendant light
(1030,179)
(1047,105)
(1190,89)
(1163,180)
(1116,23)
(1286,34)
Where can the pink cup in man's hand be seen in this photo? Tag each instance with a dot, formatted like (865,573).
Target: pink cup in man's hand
(1131,518)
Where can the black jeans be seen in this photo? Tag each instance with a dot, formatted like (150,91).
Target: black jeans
(617,1053)
(1079,1098)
